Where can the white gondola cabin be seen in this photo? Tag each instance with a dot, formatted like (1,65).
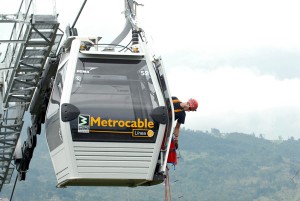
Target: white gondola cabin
(109,117)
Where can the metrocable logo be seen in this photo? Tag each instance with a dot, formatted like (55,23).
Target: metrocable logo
(140,127)
(83,123)
(121,123)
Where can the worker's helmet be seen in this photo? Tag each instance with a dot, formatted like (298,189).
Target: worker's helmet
(193,104)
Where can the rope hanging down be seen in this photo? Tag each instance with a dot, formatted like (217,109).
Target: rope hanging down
(168,196)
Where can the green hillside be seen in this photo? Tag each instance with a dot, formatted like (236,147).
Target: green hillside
(212,167)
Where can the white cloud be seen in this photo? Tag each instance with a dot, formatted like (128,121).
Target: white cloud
(238,99)
(222,26)
(270,123)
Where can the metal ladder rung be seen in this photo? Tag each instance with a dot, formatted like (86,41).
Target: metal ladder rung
(33,60)
(18,84)
(7,147)
(12,98)
(4,153)
(27,76)
(35,67)
(7,133)
(6,141)
(45,26)
(37,44)
(47,34)
(34,52)
(14,127)
(4,166)
(23,92)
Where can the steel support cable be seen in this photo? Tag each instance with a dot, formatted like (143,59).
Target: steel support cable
(13,190)
(74,23)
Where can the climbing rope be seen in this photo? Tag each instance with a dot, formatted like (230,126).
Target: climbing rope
(168,196)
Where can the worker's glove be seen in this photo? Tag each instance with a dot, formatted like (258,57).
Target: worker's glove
(176,143)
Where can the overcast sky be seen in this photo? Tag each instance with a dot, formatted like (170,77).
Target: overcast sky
(239,58)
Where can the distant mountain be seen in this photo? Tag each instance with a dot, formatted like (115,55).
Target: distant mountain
(212,167)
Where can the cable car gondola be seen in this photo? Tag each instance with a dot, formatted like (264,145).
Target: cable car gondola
(107,117)
(110,115)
